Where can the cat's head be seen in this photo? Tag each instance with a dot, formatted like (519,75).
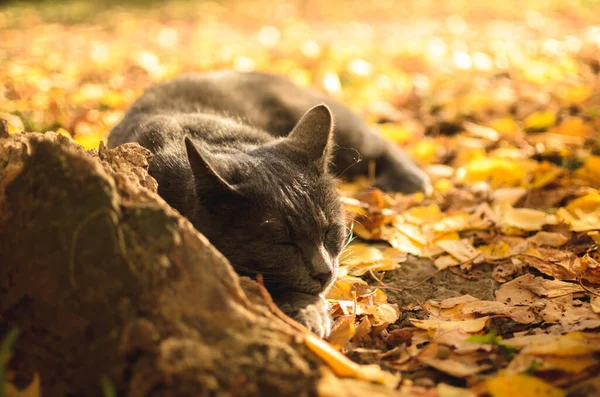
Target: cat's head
(274,209)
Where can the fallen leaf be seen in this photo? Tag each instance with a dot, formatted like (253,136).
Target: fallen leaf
(551,288)
(549,239)
(461,250)
(526,218)
(595,304)
(343,366)
(572,344)
(342,332)
(470,326)
(539,121)
(445,390)
(521,386)
(453,364)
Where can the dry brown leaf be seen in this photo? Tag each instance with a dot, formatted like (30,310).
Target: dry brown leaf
(444,390)
(558,264)
(590,269)
(461,250)
(525,218)
(551,288)
(470,326)
(549,239)
(595,304)
(457,339)
(515,292)
(444,360)
(572,344)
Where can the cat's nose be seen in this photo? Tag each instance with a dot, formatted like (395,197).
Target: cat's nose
(323,277)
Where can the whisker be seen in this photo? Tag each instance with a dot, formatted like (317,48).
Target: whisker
(356,161)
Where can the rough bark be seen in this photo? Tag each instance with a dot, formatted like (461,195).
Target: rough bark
(105,280)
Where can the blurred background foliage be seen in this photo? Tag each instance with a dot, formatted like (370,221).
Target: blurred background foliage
(415,67)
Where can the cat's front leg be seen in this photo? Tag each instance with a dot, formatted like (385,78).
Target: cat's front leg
(312,311)
(399,173)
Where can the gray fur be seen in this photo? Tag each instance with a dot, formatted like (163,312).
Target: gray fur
(246,157)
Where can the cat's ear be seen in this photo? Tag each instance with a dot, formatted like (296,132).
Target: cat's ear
(205,168)
(313,134)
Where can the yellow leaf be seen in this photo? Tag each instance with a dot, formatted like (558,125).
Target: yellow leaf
(506,126)
(470,326)
(432,249)
(509,195)
(33,390)
(444,390)
(383,312)
(480,131)
(540,121)
(467,155)
(356,254)
(396,132)
(423,214)
(496,251)
(89,141)
(454,223)
(571,344)
(343,287)
(113,100)
(582,214)
(575,95)
(380,296)
(462,250)
(526,218)
(567,364)
(521,386)
(64,132)
(595,304)
(498,171)
(582,223)
(343,366)
(592,165)
(544,175)
(586,204)
(342,333)
(402,242)
(445,261)
(426,151)
(547,238)
(573,126)
(443,185)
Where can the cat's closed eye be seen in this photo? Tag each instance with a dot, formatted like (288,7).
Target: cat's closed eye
(334,237)
(277,232)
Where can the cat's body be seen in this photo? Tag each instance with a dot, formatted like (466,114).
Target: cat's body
(234,154)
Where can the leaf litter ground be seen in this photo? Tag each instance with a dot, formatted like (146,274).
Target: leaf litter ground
(489,286)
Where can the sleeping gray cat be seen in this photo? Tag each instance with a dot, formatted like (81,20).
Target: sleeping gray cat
(246,157)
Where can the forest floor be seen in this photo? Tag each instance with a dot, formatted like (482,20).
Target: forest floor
(489,286)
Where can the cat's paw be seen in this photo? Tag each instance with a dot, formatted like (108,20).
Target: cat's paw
(401,174)
(312,311)
(408,182)
(316,318)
